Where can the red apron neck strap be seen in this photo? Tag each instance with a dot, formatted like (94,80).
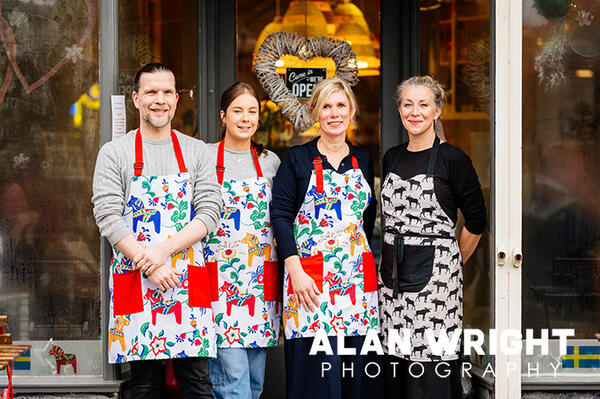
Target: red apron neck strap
(221,160)
(220,157)
(138,165)
(178,153)
(318,165)
(259,172)
(354,162)
(139,154)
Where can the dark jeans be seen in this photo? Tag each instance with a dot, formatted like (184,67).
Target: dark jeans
(192,374)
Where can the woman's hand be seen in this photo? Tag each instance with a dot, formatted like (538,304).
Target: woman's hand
(165,277)
(304,286)
(149,259)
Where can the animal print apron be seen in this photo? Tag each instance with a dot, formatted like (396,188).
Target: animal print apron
(334,251)
(242,256)
(145,322)
(421,263)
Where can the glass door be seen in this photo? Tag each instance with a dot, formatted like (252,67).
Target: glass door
(561,212)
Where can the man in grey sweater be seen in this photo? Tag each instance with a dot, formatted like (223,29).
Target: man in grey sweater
(155,196)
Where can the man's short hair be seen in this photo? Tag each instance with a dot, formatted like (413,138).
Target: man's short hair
(150,68)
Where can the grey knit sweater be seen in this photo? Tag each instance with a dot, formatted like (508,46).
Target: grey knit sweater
(240,166)
(114,170)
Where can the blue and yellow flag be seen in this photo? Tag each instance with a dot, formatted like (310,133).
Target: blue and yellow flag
(24,361)
(581,357)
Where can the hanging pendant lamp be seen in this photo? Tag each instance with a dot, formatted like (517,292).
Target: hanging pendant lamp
(353,28)
(305,19)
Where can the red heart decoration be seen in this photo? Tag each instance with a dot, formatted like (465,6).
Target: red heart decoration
(7,37)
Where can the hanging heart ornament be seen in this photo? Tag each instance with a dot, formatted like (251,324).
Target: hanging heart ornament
(279,44)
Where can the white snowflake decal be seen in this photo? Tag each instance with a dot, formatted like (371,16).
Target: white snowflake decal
(20,161)
(550,63)
(17,18)
(74,52)
(584,18)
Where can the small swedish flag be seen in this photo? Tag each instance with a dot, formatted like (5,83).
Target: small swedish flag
(581,357)
(24,361)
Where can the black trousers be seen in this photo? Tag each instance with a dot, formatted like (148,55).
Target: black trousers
(322,376)
(192,374)
(405,379)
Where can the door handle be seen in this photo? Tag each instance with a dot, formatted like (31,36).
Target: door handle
(501,257)
(517,258)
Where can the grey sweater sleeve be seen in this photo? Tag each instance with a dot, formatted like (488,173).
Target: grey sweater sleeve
(109,190)
(114,170)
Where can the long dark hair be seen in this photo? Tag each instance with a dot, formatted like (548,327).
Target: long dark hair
(230,94)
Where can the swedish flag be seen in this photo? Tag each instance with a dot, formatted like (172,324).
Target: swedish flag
(581,357)
(24,361)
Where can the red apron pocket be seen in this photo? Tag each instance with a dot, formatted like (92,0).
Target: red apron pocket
(199,293)
(313,266)
(271,280)
(369,272)
(127,293)
(213,278)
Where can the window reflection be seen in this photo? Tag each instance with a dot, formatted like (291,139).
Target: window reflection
(163,31)
(49,136)
(561,147)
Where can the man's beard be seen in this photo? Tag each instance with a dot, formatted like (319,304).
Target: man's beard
(157,124)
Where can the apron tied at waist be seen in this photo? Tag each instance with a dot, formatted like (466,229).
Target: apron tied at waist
(399,251)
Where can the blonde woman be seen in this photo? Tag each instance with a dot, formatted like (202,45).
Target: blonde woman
(323,214)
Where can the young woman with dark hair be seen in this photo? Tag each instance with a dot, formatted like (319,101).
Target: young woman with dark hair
(240,252)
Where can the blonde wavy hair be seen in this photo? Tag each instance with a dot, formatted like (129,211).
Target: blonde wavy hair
(324,89)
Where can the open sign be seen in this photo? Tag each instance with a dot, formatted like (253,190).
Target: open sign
(300,81)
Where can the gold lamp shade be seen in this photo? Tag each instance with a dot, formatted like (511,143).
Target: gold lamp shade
(348,13)
(353,28)
(325,8)
(304,18)
(366,60)
(313,18)
(297,14)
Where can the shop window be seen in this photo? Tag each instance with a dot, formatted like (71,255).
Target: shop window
(455,49)
(561,158)
(354,21)
(162,31)
(49,138)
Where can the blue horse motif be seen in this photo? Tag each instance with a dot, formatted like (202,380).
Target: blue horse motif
(143,215)
(321,201)
(231,213)
(306,247)
(208,253)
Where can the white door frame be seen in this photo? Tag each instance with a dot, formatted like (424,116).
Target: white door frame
(507,198)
